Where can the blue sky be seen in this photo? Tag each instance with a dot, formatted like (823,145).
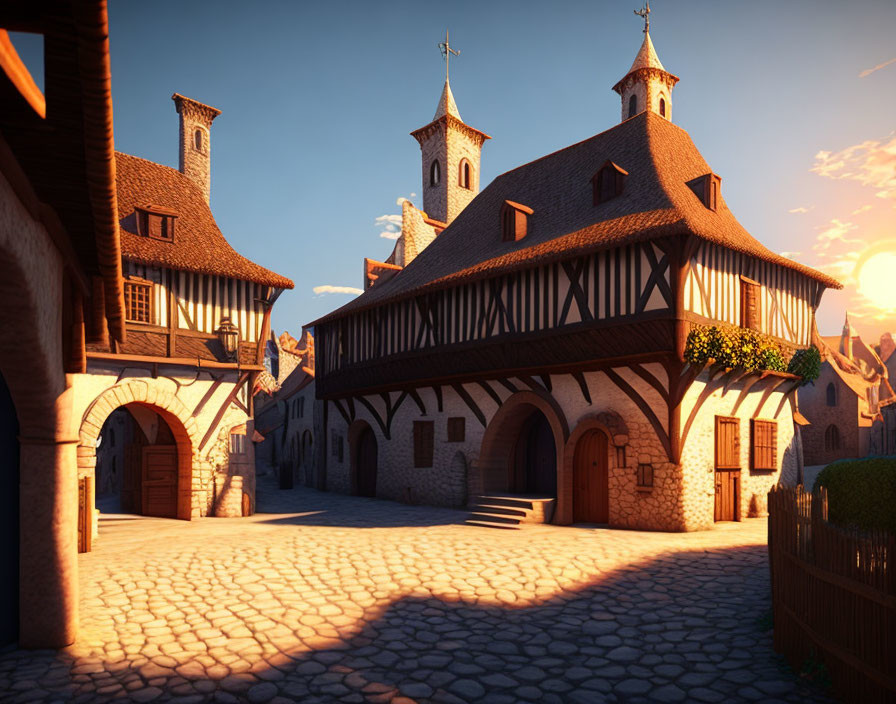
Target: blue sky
(318,99)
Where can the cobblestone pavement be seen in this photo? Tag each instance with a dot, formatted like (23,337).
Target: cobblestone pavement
(327,598)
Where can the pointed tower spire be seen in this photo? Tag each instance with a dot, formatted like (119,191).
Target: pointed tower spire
(846,337)
(446,105)
(451,152)
(647,85)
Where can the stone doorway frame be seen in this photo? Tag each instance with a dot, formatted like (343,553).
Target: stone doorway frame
(501,434)
(169,408)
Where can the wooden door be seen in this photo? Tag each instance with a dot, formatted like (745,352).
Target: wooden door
(590,498)
(367,463)
(131,474)
(727,475)
(727,486)
(159,485)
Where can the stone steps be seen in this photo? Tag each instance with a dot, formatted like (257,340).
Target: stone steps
(509,511)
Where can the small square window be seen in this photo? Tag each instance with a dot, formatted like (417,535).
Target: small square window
(645,475)
(138,301)
(457,429)
(764,445)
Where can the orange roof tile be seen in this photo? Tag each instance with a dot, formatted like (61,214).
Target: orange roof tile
(198,244)
(660,159)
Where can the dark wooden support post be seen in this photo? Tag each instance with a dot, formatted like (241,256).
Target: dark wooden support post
(77,362)
(97,330)
(265,331)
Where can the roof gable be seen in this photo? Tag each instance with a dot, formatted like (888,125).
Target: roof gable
(199,245)
(660,159)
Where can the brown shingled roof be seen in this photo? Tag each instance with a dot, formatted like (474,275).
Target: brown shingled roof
(198,243)
(660,159)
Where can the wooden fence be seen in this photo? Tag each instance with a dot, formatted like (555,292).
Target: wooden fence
(833,595)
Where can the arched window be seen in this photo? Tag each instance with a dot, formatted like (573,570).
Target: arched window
(632,105)
(832,395)
(435,173)
(831,438)
(464,177)
(662,107)
(197,139)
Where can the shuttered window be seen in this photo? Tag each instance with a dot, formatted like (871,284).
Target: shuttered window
(750,304)
(727,443)
(424,436)
(645,475)
(457,429)
(138,301)
(764,444)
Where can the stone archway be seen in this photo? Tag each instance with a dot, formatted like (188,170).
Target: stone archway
(498,443)
(610,424)
(169,408)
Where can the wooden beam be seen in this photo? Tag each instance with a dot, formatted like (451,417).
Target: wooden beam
(471,404)
(645,409)
(174,361)
(208,395)
(223,409)
(490,391)
(583,385)
(376,416)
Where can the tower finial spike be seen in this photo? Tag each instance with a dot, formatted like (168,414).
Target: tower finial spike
(645,13)
(447,51)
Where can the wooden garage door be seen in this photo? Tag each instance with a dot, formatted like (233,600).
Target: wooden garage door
(159,485)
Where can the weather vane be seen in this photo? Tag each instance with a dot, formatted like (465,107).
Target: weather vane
(447,51)
(645,13)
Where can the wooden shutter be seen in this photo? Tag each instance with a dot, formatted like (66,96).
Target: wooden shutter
(424,432)
(727,443)
(764,445)
(750,304)
(457,429)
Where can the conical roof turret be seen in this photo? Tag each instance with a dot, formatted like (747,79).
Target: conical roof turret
(446,105)
(646,57)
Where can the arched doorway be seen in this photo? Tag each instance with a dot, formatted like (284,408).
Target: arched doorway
(534,463)
(137,468)
(366,463)
(9,517)
(590,497)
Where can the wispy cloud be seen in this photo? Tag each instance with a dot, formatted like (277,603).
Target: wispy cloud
(390,226)
(402,199)
(835,233)
(791,255)
(864,209)
(871,163)
(869,71)
(801,209)
(321,290)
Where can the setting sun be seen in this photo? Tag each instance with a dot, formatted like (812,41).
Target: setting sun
(875,279)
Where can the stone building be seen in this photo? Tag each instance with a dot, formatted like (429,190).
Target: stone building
(530,360)
(843,403)
(60,284)
(285,418)
(179,388)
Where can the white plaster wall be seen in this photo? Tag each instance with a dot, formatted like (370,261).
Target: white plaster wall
(698,453)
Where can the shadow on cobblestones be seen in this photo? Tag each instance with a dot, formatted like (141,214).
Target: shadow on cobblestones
(265,609)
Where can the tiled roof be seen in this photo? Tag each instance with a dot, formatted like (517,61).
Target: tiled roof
(154,343)
(660,159)
(198,244)
(646,57)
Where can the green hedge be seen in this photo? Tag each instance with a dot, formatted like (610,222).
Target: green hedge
(806,363)
(861,493)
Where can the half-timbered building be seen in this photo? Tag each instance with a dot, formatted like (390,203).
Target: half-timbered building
(530,361)
(179,388)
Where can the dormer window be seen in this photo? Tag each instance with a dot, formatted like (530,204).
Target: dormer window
(155,222)
(608,182)
(707,189)
(435,173)
(465,175)
(514,221)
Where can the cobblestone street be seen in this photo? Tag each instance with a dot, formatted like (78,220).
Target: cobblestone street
(328,598)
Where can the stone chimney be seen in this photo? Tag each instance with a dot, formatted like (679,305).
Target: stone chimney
(195,142)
